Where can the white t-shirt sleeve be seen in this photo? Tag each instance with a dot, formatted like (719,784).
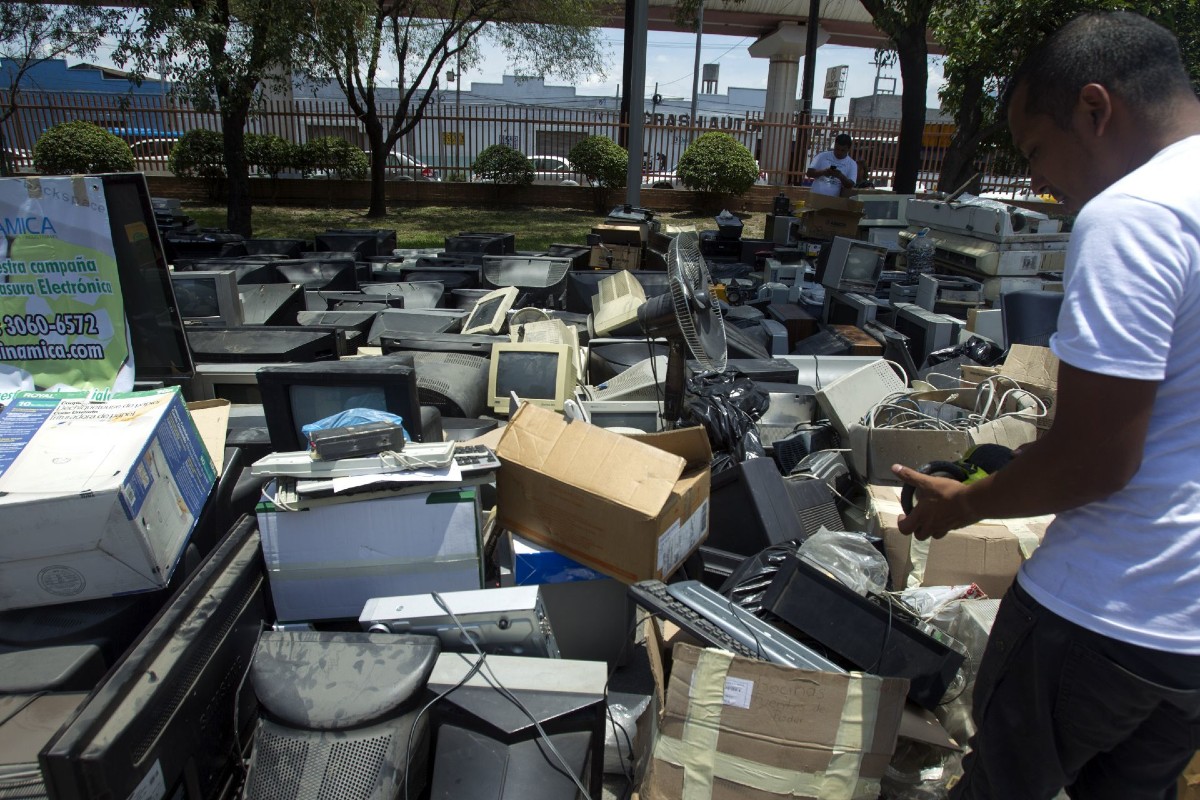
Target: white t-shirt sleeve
(1125,279)
(850,169)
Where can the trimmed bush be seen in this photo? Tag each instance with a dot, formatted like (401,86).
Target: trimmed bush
(269,154)
(333,157)
(199,153)
(500,163)
(716,163)
(72,148)
(603,161)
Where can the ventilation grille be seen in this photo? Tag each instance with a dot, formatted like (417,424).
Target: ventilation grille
(301,765)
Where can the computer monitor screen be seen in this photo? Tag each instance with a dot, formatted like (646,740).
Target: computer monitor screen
(210,297)
(160,347)
(543,374)
(295,395)
(853,266)
(171,718)
(489,314)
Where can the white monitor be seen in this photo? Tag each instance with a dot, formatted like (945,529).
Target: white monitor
(548,331)
(853,265)
(491,311)
(540,373)
(208,296)
(642,381)
(926,331)
(644,415)
(616,303)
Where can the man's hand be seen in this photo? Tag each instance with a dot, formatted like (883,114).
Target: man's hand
(941,505)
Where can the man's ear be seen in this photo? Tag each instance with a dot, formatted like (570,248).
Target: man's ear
(1095,104)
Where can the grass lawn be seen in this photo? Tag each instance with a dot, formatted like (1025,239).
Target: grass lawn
(428,226)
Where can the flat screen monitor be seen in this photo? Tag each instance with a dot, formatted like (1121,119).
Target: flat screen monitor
(476,344)
(208,297)
(237,383)
(296,394)
(416,294)
(543,374)
(261,343)
(160,347)
(927,331)
(491,312)
(848,308)
(853,266)
(271,303)
(171,719)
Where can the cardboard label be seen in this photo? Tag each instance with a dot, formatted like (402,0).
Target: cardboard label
(680,539)
(738,692)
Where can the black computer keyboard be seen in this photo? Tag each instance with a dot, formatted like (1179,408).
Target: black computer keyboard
(654,597)
(475,458)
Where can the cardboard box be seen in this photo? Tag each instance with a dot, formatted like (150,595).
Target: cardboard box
(98,498)
(824,217)
(623,256)
(631,507)
(988,553)
(1189,781)
(327,561)
(212,421)
(624,234)
(875,449)
(752,730)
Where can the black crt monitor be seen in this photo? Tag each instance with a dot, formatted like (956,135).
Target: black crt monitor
(537,276)
(849,308)
(927,331)
(267,344)
(471,344)
(453,383)
(237,383)
(771,370)
(338,274)
(295,395)
(182,247)
(249,269)
(583,285)
(493,244)
(170,719)
(853,266)
(452,275)
(356,321)
(156,331)
(271,303)
(416,294)
(208,297)
(825,342)
(577,254)
(354,301)
(1029,316)
(287,248)
(609,357)
(366,242)
(895,346)
(396,322)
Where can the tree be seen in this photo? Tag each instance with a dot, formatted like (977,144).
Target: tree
(905,22)
(31,33)
(219,54)
(986,40)
(350,39)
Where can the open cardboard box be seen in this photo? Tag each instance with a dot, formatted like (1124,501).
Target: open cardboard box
(631,507)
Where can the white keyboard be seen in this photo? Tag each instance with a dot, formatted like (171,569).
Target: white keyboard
(415,455)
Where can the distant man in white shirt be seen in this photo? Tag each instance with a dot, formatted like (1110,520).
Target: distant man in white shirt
(834,170)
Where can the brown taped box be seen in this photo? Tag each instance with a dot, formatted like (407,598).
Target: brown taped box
(623,257)
(1189,781)
(779,722)
(630,234)
(824,217)
(1035,369)
(988,553)
(631,507)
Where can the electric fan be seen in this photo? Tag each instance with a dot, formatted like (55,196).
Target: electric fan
(687,314)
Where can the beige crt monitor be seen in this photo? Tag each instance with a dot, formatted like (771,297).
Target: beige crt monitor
(616,303)
(491,311)
(538,372)
(549,331)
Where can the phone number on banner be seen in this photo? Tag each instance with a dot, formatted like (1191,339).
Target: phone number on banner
(42,325)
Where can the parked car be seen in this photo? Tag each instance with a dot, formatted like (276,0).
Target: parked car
(669,179)
(403,167)
(549,171)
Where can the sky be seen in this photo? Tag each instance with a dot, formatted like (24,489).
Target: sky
(670,57)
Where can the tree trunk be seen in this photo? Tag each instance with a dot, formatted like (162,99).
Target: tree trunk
(379,154)
(239,208)
(913,57)
(959,161)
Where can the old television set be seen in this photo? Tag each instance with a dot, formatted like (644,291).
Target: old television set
(416,294)
(330,274)
(293,395)
(542,374)
(883,210)
(642,415)
(271,303)
(263,343)
(208,297)
(170,719)
(849,308)
(491,311)
(853,265)
(926,330)
(538,277)
(615,306)
(453,383)
(364,242)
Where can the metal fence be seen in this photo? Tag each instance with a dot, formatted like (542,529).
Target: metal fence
(449,136)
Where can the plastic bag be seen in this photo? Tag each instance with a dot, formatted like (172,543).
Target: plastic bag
(620,728)
(353,416)
(726,407)
(850,557)
(747,584)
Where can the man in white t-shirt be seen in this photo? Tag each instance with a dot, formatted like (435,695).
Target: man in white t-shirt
(1091,678)
(834,170)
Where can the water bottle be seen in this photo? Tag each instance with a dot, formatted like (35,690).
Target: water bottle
(919,255)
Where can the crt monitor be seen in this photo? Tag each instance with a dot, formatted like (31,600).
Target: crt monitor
(293,395)
(416,294)
(542,274)
(366,242)
(543,374)
(491,311)
(926,330)
(853,266)
(616,305)
(883,210)
(849,308)
(208,297)
(474,344)
(583,285)
(237,383)
(286,248)
(331,274)
(171,718)
(453,383)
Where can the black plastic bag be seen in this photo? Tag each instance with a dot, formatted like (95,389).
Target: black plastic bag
(727,407)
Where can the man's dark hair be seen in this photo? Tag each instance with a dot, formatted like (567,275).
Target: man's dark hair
(1122,51)
(843,138)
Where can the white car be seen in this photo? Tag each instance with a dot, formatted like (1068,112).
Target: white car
(549,171)
(403,167)
(150,155)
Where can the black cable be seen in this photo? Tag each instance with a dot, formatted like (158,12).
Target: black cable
(417,721)
(733,609)
(887,635)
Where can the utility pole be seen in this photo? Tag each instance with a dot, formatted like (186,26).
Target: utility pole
(695,74)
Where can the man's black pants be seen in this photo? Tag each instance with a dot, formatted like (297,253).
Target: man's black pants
(1059,706)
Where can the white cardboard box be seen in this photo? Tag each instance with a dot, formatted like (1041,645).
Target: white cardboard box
(328,561)
(98,498)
